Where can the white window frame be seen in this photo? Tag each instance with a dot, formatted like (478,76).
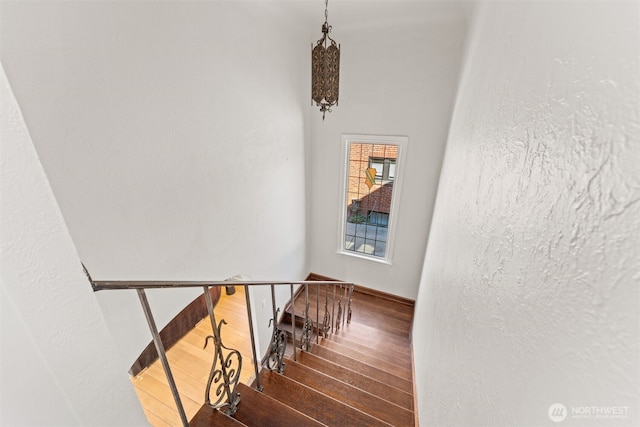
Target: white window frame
(401,143)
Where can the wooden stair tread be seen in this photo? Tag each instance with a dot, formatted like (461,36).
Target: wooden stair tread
(396,309)
(259,410)
(387,303)
(375,337)
(356,379)
(355,397)
(358,366)
(379,317)
(394,351)
(369,359)
(207,417)
(317,405)
(401,358)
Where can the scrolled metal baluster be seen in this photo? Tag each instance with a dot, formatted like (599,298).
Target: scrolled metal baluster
(326,321)
(349,307)
(293,323)
(306,330)
(224,378)
(318,312)
(339,315)
(333,309)
(277,347)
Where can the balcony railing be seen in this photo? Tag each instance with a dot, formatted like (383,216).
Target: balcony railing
(225,371)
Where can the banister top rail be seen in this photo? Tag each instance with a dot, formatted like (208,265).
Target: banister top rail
(103,285)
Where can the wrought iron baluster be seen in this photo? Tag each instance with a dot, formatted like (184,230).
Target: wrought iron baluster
(306,331)
(278,344)
(317,312)
(224,378)
(277,347)
(253,338)
(339,315)
(344,295)
(333,310)
(326,321)
(305,343)
(350,300)
(293,323)
(163,355)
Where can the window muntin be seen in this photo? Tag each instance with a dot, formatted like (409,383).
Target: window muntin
(369,198)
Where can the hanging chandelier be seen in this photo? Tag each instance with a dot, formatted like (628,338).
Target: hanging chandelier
(325,69)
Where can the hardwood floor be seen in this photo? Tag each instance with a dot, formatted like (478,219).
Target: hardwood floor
(190,364)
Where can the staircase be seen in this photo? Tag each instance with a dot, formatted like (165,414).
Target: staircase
(359,375)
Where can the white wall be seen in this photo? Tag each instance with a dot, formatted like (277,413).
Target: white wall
(529,294)
(59,365)
(173,135)
(399,73)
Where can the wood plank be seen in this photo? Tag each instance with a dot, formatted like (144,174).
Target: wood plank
(376,337)
(207,417)
(161,391)
(190,365)
(257,409)
(368,370)
(157,412)
(402,359)
(359,399)
(388,365)
(356,379)
(319,406)
(175,329)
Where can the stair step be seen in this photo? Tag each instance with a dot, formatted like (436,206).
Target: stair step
(315,404)
(375,337)
(207,417)
(379,317)
(369,359)
(391,308)
(360,333)
(392,351)
(368,307)
(350,395)
(257,409)
(368,370)
(400,358)
(356,379)
(286,327)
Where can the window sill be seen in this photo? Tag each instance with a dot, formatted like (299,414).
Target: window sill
(365,257)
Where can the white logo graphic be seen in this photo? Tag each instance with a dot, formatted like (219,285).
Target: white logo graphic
(557,412)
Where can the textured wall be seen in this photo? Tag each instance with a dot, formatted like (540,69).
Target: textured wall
(59,365)
(529,294)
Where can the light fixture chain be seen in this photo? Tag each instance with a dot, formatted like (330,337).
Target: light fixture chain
(326,11)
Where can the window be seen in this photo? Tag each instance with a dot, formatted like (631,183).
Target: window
(370,195)
(385,168)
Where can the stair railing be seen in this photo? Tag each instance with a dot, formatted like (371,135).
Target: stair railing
(221,392)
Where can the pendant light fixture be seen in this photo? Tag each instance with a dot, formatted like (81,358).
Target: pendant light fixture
(325,68)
